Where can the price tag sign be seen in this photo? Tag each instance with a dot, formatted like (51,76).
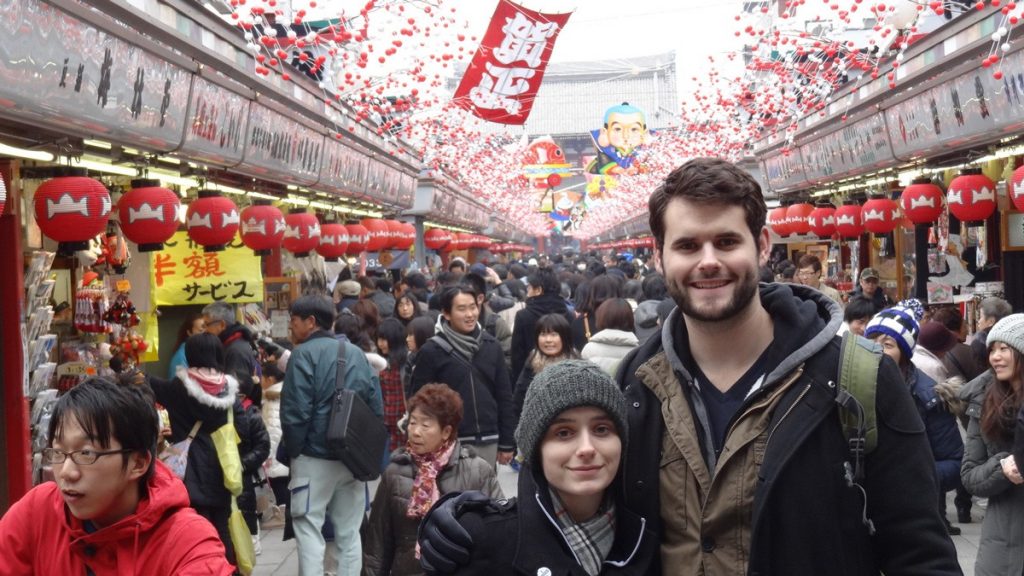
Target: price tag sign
(76,369)
(124,286)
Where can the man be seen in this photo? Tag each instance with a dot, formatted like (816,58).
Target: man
(808,273)
(470,361)
(320,483)
(112,508)
(735,448)
(868,287)
(858,312)
(346,294)
(378,291)
(990,311)
(239,343)
(543,296)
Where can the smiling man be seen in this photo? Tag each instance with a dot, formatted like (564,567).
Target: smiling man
(113,508)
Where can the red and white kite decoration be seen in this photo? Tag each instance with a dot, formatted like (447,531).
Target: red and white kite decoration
(508,67)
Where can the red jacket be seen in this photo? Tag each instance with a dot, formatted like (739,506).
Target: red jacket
(163,537)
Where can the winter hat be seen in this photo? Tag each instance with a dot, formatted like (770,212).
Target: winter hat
(900,322)
(936,338)
(478,269)
(350,288)
(560,387)
(1010,331)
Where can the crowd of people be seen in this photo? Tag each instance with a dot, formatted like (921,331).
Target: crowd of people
(676,415)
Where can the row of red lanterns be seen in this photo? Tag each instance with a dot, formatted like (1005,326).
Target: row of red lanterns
(508,247)
(971,198)
(445,241)
(73,209)
(628,243)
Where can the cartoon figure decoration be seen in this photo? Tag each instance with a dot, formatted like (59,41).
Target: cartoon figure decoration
(620,139)
(544,167)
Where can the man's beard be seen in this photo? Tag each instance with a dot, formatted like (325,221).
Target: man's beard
(744,290)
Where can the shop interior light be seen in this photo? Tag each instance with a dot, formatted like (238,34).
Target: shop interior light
(39,155)
(172,178)
(320,206)
(295,200)
(97,165)
(97,144)
(261,195)
(170,160)
(227,189)
(818,194)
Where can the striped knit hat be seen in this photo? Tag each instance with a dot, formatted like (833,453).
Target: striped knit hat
(899,322)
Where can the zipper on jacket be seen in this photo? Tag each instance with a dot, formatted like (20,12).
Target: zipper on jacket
(763,392)
(788,411)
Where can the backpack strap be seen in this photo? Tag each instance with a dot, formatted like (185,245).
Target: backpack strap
(858,381)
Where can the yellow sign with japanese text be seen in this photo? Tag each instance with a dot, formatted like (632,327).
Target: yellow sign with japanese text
(183,274)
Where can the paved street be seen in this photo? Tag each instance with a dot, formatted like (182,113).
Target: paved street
(279,558)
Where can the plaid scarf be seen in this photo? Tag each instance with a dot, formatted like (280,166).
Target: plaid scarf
(590,540)
(424,486)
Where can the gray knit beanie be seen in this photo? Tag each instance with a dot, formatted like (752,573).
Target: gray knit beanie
(560,387)
(1009,330)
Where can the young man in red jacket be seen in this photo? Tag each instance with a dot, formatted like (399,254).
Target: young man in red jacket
(113,508)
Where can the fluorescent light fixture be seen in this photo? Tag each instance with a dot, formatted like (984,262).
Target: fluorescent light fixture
(98,166)
(170,160)
(172,178)
(320,206)
(227,189)
(295,201)
(821,193)
(39,155)
(261,195)
(97,144)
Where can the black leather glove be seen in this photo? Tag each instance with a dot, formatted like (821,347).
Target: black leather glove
(444,543)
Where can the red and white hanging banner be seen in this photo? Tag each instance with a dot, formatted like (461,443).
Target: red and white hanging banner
(508,67)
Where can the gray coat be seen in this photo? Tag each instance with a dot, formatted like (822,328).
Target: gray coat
(390,543)
(1001,550)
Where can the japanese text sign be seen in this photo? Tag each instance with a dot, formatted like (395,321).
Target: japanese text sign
(183,274)
(508,67)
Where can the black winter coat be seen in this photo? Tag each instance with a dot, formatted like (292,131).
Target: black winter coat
(240,355)
(485,389)
(524,337)
(803,466)
(186,403)
(521,536)
(254,449)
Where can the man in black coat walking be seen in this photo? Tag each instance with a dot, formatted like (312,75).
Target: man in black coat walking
(543,297)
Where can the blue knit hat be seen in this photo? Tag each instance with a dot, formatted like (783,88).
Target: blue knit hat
(899,322)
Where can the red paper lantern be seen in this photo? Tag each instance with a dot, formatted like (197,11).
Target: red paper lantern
(212,221)
(798,216)
(358,239)
(395,231)
(879,215)
(263,227)
(148,214)
(922,201)
(3,196)
(823,220)
(778,221)
(302,232)
(333,241)
(437,239)
(848,223)
(72,210)
(1016,189)
(406,237)
(971,196)
(378,230)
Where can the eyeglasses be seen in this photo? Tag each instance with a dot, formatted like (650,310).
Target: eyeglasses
(80,457)
(807,273)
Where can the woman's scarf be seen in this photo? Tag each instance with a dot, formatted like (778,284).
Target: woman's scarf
(591,540)
(424,485)
(465,344)
(539,361)
(211,381)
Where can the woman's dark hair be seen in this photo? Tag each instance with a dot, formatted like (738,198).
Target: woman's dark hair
(421,328)
(316,305)
(1002,404)
(408,296)
(271,370)
(441,402)
(186,327)
(654,287)
(558,324)
(633,289)
(950,317)
(601,288)
(393,332)
(615,314)
(204,351)
(352,327)
(368,311)
(107,412)
(859,308)
(546,280)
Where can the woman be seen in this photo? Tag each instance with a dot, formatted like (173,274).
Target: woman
(277,472)
(370,314)
(253,450)
(614,338)
(417,333)
(407,308)
(352,327)
(201,396)
(553,343)
(432,463)
(897,329)
(566,520)
(391,345)
(601,288)
(994,400)
(192,325)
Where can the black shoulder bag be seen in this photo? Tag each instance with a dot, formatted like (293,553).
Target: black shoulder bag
(354,433)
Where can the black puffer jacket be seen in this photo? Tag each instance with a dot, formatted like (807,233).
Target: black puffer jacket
(484,387)
(523,337)
(254,449)
(187,402)
(390,544)
(239,354)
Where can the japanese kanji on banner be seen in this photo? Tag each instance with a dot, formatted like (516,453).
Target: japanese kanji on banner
(508,67)
(182,273)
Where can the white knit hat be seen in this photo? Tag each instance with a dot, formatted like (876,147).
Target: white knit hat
(1010,331)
